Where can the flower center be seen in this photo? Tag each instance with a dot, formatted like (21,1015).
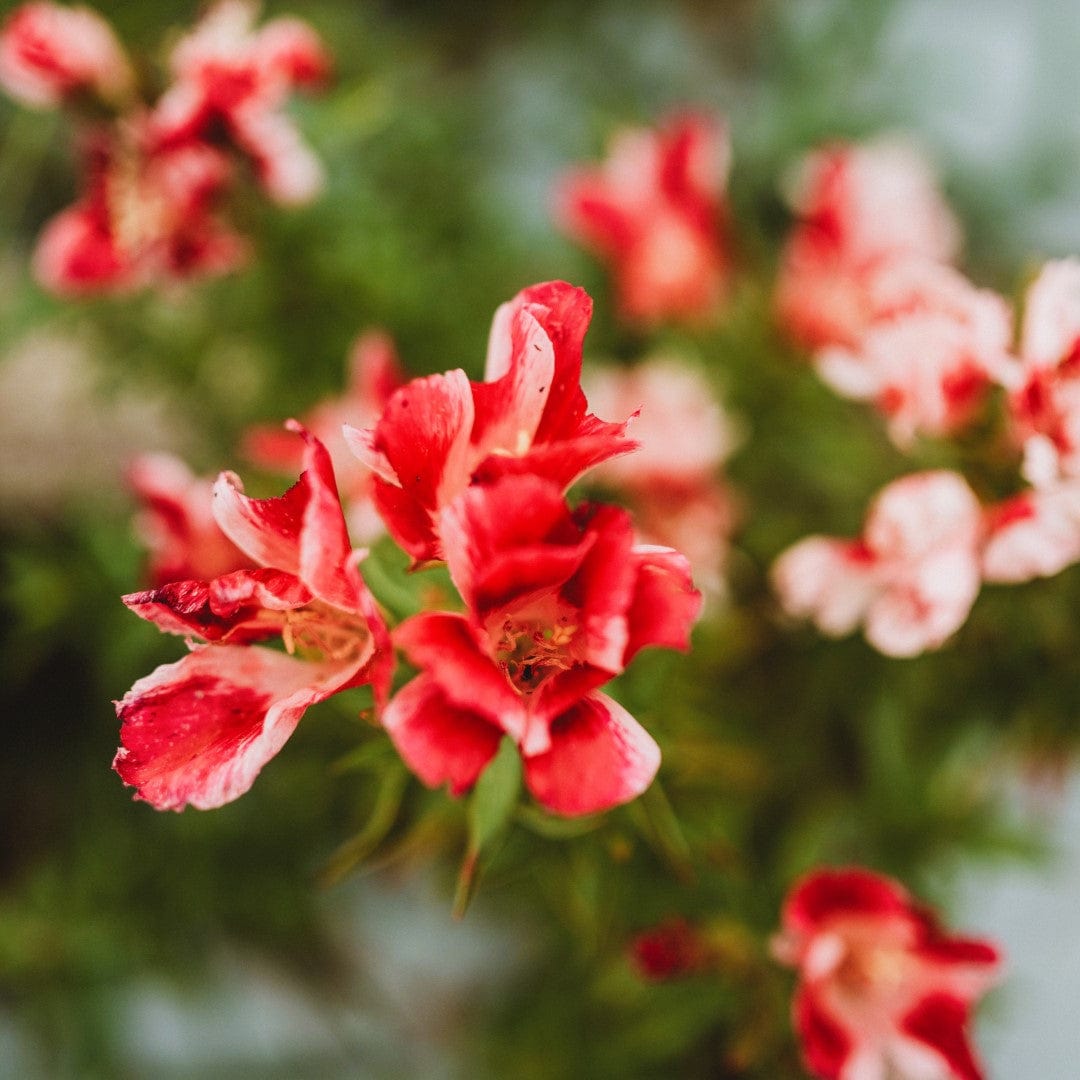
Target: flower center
(320,632)
(529,652)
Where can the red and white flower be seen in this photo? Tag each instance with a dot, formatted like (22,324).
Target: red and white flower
(176,523)
(441,433)
(883,990)
(233,80)
(557,604)
(51,54)
(655,210)
(198,731)
(374,375)
(1045,400)
(146,217)
(1033,534)
(858,208)
(910,579)
(930,347)
(673,481)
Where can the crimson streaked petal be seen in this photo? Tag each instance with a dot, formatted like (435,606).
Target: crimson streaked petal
(232,606)
(600,757)
(825,894)
(439,741)
(197,732)
(826,1046)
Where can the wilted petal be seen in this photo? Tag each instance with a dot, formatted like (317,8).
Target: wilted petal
(600,757)
(198,731)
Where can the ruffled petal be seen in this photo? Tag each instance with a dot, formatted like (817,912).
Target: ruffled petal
(826,894)
(197,732)
(826,1046)
(600,757)
(939,1021)
(439,741)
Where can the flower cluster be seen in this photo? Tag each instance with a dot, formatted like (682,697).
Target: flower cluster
(864,283)
(157,175)
(558,599)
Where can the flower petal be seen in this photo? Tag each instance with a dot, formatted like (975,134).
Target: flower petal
(665,604)
(939,1021)
(600,757)
(439,741)
(197,732)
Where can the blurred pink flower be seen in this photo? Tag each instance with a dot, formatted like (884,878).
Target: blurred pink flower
(441,433)
(51,55)
(198,731)
(557,603)
(145,217)
(1033,534)
(882,988)
(672,483)
(655,211)
(858,208)
(374,374)
(231,80)
(910,579)
(930,347)
(176,523)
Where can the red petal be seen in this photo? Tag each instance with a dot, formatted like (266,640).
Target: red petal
(423,436)
(665,604)
(447,646)
(302,532)
(440,742)
(198,731)
(940,1021)
(824,894)
(826,1046)
(600,757)
(510,542)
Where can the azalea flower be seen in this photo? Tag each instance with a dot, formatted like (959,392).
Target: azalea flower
(198,731)
(51,55)
(146,217)
(672,482)
(374,375)
(910,579)
(557,603)
(654,210)
(441,433)
(931,346)
(883,990)
(858,209)
(176,523)
(232,81)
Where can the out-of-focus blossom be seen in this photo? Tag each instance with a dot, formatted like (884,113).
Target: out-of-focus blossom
(144,218)
(672,482)
(858,208)
(669,950)
(198,731)
(557,604)
(654,211)
(910,579)
(51,54)
(1033,534)
(883,990)
(176,522)
(1045,402)
(232,81)
(374,375)
(931,345)
(441,433)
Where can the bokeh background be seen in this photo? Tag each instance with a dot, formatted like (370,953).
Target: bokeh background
(137,944)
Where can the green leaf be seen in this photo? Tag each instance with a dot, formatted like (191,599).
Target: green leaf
(490,808)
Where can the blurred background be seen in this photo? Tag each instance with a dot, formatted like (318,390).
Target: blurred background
(142,944)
